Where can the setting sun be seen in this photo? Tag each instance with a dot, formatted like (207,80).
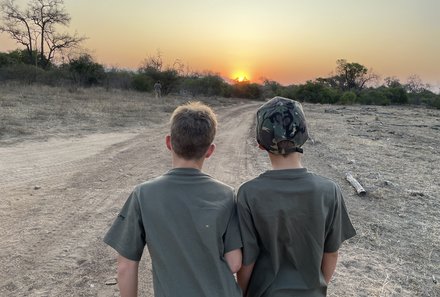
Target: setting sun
(240,76)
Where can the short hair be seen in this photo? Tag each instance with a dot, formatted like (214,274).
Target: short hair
(286,146)
(193,128)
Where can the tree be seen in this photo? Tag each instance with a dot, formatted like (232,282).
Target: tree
(85,71)
(414,84)
(392,82)
(35,26)
(352,76)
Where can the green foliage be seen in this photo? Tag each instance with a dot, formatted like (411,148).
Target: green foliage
(118,79)
(20,72)
(271,88)
(315,92)
(392,82)
(424,97)
(396,94)
(169,78)
(348,98)
(85,71)
(142,83)
(373,97)
(19,56)
(6,60)
(208,85)
(245,89)
(289,91)
(351,76)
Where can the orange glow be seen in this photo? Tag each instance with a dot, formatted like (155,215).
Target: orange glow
(240,76)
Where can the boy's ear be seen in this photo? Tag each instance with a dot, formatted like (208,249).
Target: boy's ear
(210,151)
(168,142)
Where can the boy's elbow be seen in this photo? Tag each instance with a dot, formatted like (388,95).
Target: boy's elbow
(235,267)
(233,259)
(126,267)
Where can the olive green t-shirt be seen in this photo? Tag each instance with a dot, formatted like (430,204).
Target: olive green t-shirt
(288,219)
(188,221)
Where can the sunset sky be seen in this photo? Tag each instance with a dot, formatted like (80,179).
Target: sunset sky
(284,40)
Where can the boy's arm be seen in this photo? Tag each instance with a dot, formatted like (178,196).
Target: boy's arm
(233,258)
(328,265)
(127,277)
(243,277)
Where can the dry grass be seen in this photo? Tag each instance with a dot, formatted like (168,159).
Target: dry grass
(39,112)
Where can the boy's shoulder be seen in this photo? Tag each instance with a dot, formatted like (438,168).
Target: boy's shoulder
(196,177)
(265,180)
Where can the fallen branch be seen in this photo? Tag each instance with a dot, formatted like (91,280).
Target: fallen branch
(359,189)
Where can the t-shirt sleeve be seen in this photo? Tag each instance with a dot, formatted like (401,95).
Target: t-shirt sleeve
(127,234)
(248,231)
(232,237)
(340,228)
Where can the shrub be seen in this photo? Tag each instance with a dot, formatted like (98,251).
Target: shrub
(373,97)
(142,83)
(118,79)
(348,98)
(397,95)
(289,91)
(85,71)
(208,85)
(315,92)
(21,72)
(248,90)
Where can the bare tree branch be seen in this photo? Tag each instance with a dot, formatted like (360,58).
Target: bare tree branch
(40,16)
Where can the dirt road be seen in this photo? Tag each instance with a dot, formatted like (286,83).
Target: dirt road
(59,197)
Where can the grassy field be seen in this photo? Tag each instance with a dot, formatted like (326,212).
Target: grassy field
(39,112)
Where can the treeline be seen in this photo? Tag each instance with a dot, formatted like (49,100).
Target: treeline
(352,83)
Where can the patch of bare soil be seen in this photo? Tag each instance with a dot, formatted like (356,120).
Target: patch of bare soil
(59,197)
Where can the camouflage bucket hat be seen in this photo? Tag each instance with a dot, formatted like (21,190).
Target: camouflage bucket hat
(281,119)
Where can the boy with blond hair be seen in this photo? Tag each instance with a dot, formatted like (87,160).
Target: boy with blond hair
(292,221)
(186,218)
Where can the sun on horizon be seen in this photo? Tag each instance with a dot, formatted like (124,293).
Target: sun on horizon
(240,76)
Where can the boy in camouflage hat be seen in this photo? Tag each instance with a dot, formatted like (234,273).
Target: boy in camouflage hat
(292,221)
(186,218)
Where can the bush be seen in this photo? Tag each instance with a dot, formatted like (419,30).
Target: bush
(425,97)
(396,95)
(289,91)
(248,90)
(85,71)
(373,97)
(271,89)
(315,92)
(348,98)
(21,72)
(169,78)
(118,79)
(55,76)
(436,102)
(142,83)
(208,85)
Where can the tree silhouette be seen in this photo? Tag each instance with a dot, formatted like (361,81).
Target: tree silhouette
(35,26)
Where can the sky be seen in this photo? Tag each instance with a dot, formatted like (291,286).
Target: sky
(287,41)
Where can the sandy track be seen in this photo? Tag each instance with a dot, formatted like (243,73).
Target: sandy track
(51,237)
(51,241)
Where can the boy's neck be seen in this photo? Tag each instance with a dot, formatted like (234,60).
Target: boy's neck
(183,163)
(291,161)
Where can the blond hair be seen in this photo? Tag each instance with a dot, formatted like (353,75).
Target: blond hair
(193,128)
